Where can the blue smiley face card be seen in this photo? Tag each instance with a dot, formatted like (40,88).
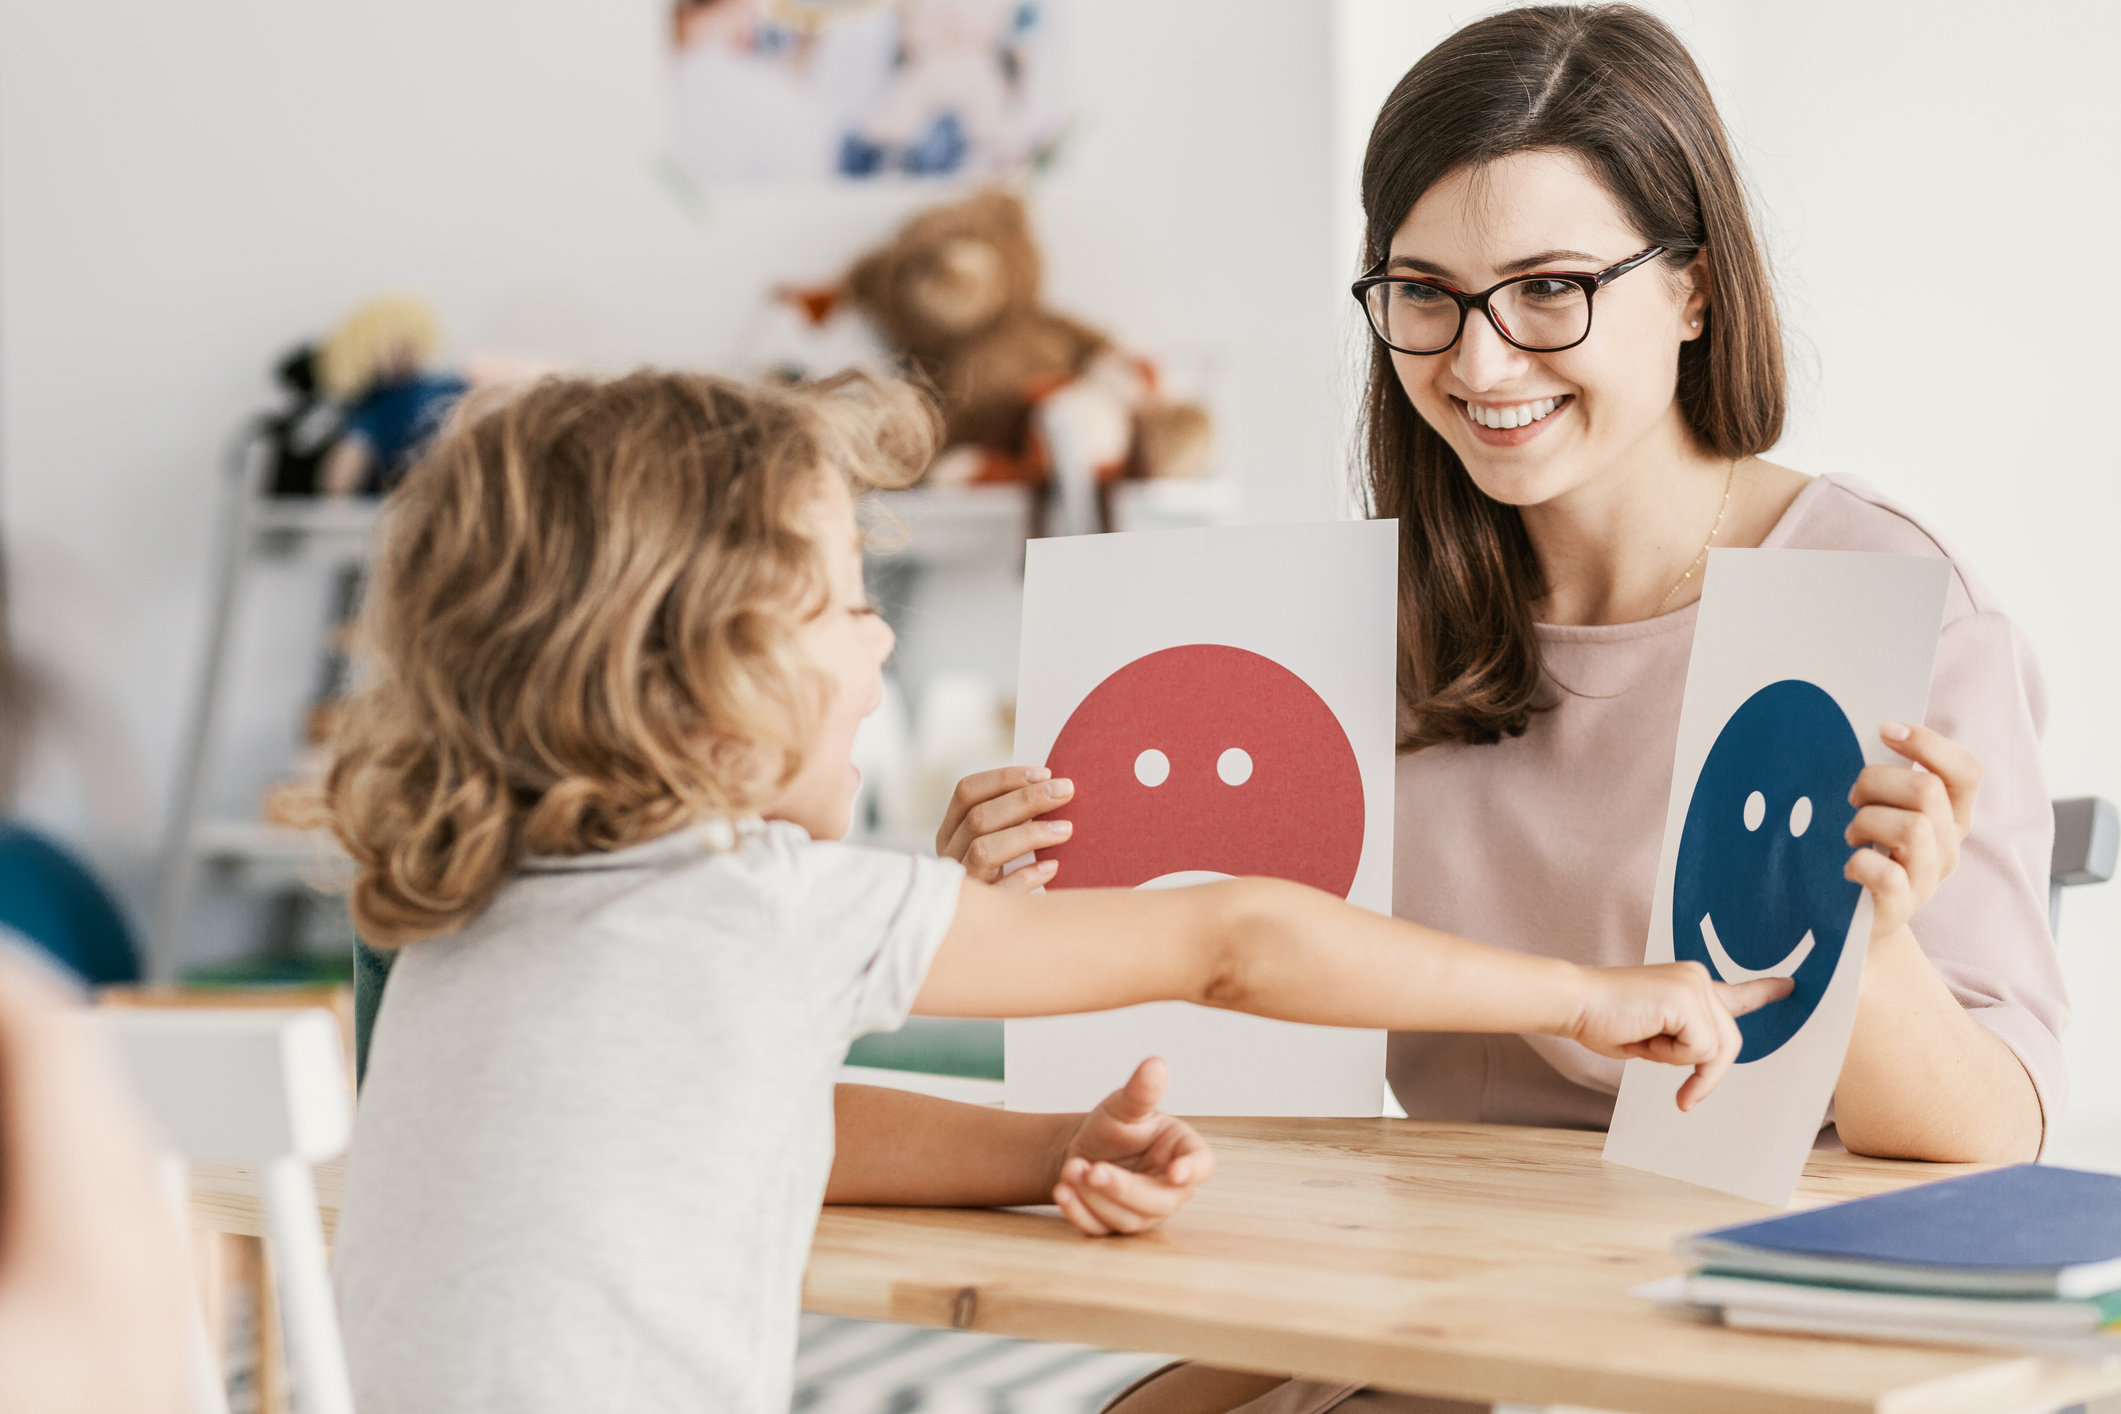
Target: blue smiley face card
(1799,657)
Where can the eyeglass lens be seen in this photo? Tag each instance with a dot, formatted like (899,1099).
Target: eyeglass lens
(1535,313)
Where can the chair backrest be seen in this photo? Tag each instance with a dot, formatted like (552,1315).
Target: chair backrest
(270,1088)
(2087,836)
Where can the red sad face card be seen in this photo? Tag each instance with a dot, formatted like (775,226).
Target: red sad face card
(1207,761)
(1224,701)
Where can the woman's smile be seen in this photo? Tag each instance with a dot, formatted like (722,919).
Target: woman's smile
(1512,424)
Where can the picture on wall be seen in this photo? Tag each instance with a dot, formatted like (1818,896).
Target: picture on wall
(862,90)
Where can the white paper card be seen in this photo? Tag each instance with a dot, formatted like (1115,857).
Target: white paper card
(1799,657)
(1224,701)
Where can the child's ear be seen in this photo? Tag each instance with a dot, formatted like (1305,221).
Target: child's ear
(745,772)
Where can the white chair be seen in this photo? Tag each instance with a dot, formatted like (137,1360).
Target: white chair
(268,1088)
(2087,839)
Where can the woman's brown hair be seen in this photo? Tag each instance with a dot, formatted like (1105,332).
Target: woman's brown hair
(1614,86)
(583,592)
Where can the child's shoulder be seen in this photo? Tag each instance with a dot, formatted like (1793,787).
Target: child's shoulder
(717,866)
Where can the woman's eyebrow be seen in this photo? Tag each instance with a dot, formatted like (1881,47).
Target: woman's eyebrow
(1514,267)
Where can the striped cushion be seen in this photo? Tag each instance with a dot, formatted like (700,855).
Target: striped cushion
(868,1367)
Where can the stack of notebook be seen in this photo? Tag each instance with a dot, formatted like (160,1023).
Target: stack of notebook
(2027,1258)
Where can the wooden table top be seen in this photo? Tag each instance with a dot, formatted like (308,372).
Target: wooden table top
(1472,1261)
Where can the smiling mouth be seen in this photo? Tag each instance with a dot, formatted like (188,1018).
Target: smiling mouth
(1730,971)
(1503,417)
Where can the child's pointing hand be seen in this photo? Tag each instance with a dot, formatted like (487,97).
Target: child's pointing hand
(1129,1166)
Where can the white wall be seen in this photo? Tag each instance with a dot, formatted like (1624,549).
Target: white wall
(188,190)
(1938,186)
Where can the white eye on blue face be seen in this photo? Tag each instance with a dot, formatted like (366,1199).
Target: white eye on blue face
(1800,817)
(1755,810)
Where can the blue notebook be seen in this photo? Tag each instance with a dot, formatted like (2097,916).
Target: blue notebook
(2030,1230)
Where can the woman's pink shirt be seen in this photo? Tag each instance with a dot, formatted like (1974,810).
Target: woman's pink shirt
(1547,843)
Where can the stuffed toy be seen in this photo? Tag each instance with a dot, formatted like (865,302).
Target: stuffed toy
(301,434)
(956,292)
(377,364)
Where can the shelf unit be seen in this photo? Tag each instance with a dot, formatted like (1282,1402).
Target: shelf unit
(250,528)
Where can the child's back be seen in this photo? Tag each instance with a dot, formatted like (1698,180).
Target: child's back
(597,1123)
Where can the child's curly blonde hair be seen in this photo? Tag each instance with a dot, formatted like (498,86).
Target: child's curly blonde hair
(582,592)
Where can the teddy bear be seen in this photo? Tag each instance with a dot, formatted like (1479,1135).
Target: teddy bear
(1025,392)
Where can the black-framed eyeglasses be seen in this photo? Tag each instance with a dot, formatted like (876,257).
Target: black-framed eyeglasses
(1544,312)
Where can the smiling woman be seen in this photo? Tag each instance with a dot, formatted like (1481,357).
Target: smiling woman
(1561,449)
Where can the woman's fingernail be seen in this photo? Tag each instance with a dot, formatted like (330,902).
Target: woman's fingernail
(1060,827)
(1060,789)
(1047,866)
(1896,731)
(1178,1173)
(1037,774)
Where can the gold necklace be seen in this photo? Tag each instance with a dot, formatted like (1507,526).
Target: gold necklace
(1728,478)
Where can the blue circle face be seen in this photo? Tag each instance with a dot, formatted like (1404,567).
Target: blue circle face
(1759,891)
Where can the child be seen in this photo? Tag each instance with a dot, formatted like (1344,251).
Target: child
(620,649)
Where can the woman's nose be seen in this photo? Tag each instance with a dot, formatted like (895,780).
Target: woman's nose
(1483,358)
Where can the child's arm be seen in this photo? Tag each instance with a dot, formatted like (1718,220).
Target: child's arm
(1283,950)
(1124,1167)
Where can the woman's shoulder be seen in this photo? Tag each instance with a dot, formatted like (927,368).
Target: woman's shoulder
(1837,512)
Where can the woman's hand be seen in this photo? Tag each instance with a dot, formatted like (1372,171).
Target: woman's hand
(1916,815)
(1129,1166)
(993,819)
(1672,1013)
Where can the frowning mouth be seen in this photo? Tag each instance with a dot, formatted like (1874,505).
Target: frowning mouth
(1728,969)
(1184,878)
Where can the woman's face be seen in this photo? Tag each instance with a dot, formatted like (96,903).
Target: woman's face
(1613,395)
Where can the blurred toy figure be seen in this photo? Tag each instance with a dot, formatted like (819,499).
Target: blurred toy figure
(378,365)
(957,292)
(93,1306)
(300,435)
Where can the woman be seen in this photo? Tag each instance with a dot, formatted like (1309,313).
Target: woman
(1556,505)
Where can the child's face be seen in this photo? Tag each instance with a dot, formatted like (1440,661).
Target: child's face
(850,641)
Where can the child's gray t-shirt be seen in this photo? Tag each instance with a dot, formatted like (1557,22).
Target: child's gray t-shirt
(597,1123)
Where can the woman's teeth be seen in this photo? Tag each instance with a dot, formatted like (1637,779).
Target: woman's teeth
(1516,415)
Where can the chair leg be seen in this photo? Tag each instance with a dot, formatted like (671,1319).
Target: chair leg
(208,1394)
(316,1358)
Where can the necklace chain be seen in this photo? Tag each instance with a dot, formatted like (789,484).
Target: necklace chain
(1729,477)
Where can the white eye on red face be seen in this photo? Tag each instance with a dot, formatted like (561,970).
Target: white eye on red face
(1152,768)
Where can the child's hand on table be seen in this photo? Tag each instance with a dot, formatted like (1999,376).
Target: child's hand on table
(1129,1165)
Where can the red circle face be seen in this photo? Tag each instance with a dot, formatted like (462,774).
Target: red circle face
(1207,758)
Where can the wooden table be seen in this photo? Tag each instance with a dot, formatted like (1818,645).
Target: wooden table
(1471,1261)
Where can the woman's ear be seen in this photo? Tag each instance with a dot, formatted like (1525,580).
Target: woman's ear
(1694,314)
